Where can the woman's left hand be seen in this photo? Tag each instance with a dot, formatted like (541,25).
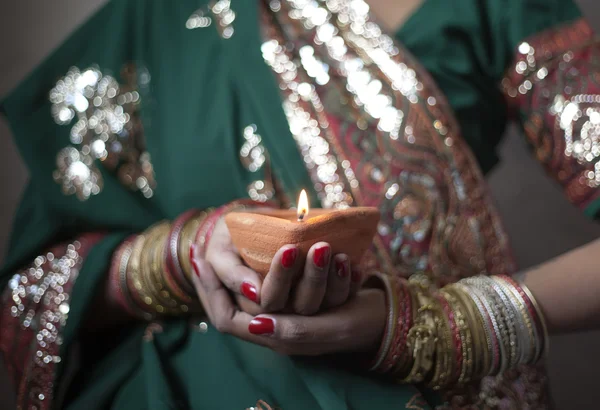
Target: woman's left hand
(356,326)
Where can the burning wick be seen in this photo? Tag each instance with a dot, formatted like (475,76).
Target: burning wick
(302,206)
(301,215)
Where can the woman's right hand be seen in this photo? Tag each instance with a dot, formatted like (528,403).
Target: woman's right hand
(324,281)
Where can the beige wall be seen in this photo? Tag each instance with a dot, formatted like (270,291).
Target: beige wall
(541,223)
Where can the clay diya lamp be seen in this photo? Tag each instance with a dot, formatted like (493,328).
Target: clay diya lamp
(258,235)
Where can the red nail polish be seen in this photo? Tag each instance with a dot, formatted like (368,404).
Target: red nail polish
(249,290)
(321,256)
(356,276)
(289,257)
(261,326)
(196,267)
(341,268)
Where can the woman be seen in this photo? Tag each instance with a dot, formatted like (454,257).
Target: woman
(168,112)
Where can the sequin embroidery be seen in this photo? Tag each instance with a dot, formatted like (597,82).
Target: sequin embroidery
(554,85)
(34,311)
(219,10)
(254,158)
(107,130)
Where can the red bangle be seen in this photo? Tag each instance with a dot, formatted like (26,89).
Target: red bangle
(455,335)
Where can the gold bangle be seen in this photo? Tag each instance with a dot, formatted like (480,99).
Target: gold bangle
(153,269)
(186,239)
(483,332)
(422,336)
(465,335)
(444,354)
(139,292)
(480,348)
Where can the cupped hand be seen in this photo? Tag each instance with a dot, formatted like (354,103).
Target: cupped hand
(299,285)
(356,326)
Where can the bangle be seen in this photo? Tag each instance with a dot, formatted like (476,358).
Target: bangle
(505,326)
(186,239)
(388,333)
(491,355)
(453,346)
(542,340)
(443,373)
(405,322)
(154,271)
(524,329)
(134,283)
(119,273)
(422,336)
(173,261)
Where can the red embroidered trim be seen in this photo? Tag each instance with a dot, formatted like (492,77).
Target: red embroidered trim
(34,311)
(554,84)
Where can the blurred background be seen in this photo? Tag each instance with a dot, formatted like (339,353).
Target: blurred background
(541,223)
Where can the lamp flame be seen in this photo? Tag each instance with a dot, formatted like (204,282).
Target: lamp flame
(302,205)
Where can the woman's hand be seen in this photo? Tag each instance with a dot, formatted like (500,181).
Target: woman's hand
(304,287)
(356,326)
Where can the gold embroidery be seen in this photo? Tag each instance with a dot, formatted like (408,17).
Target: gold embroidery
(222,12)
(107,129)
(34,311)
(554,83)
(254,157)
(301,106)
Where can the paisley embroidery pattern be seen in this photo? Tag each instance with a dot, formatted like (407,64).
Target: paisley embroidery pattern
(33,312)
(555,84)
(107,130)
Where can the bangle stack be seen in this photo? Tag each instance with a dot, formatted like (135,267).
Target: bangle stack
(151,273)
(476,327)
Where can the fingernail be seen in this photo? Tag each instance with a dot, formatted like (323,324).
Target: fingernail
(249,290)
(261,326)
(341,267)
(289,257)
(196,267)
(356,275)
(321,256)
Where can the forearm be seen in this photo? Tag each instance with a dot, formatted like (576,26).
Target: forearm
(567,289)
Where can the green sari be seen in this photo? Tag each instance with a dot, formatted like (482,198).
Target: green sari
(198,90)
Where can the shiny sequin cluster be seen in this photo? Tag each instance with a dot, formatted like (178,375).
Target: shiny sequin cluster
(221,11)
(554,83)
(302,107)
(107,130)
(37,308)
(254,158)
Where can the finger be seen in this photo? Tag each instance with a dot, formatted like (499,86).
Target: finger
(248,306)
(338,282)
(356,325)
(222,312)
(311,287)
(357,278)
(285,268)
(236,276)
(205,281)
